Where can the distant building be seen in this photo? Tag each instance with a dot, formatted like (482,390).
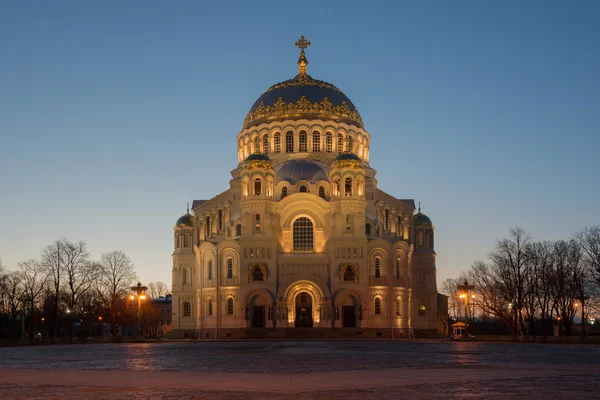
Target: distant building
(304,239)
(159,324)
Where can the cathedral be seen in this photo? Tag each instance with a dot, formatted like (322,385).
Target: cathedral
(304,243)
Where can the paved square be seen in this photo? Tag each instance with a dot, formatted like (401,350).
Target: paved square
(301,370)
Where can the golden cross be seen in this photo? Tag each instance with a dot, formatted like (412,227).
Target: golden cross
(302,43)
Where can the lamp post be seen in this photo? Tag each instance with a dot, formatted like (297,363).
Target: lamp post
(100,324)
(465,288)
(140,294)
(582,300)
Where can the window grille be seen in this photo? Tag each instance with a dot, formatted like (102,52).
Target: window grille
(340,143)
(289,142)
(277,143)
(229,268)
(230,306)
(316,141)
(328,142)
(210,307)
(220,220)
(303,141)
(348,187)
(187,309)
(256,145)
(398,267)
(266,144)
(257,187)
(303,234)
(377,267)
(386,219)
(377,306)
(321,192)
(210,270)
(399,226)
(238,230)
(284,192)
(208,227)
(257,223)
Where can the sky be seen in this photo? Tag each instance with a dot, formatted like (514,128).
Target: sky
(114,115)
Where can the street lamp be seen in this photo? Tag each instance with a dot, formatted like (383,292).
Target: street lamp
(140,293)
(465,288)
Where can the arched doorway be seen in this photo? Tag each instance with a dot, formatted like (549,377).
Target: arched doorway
(257,309)
(348,303)
(304,318)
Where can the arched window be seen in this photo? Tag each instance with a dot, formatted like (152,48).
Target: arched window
(422,310)
(386,219)
(336,187)
(284,192)
(359,186)
(257,223)
(348,222)
(238,230)
(257,187)
(303,189)
(349,274)
(368,229)
(377,267)
(348,187)
(328,142)
(316,141)
(289,142)
(257,274)
(210,307)
(377,306)
(340,143)
(321,192)
(350,145)
(399,230)
(420,239)
(220,219)
(229,268)
(187,309)
(398,267)
(208,227)
(303,141)
(303,234)
(266,144)
(230,306)
(256,145)
(277,142)
(210,270)
(398,308)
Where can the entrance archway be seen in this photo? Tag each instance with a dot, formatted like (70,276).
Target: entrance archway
(257,309)
(304,300)
(304,318)
(349,306)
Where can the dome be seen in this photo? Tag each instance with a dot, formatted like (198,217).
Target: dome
(421,219)
(185,220)
(303,97)
(347,160)
(294,171)
(258,157)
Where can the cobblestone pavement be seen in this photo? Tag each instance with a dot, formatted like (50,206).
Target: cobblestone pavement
(301,370)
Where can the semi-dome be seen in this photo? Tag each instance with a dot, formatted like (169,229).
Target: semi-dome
(294,171)
(303,97)
(347,159)
(185,220)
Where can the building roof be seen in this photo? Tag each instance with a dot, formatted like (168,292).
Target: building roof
(293,171)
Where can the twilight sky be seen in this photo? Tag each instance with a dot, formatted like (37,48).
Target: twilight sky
(115,114)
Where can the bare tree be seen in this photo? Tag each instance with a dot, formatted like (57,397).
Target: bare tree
(52,260)
(33,279)
(80,272)
(589,239)
(115,278)
(510,259)
(542,262)
(569,280)
(449,288)
(157,289)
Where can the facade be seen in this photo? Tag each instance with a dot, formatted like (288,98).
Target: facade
(303,240)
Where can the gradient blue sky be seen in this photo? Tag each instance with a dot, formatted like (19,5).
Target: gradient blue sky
(115,114)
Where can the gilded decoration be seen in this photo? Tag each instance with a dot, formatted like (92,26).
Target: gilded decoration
(258,164)
(324,108)
(348,164)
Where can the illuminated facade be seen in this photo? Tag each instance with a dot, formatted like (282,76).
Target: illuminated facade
(303,240)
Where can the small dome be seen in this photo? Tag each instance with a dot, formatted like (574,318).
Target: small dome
(258,160)
(421,219)
(298,170)
(347,159)
(185,220)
